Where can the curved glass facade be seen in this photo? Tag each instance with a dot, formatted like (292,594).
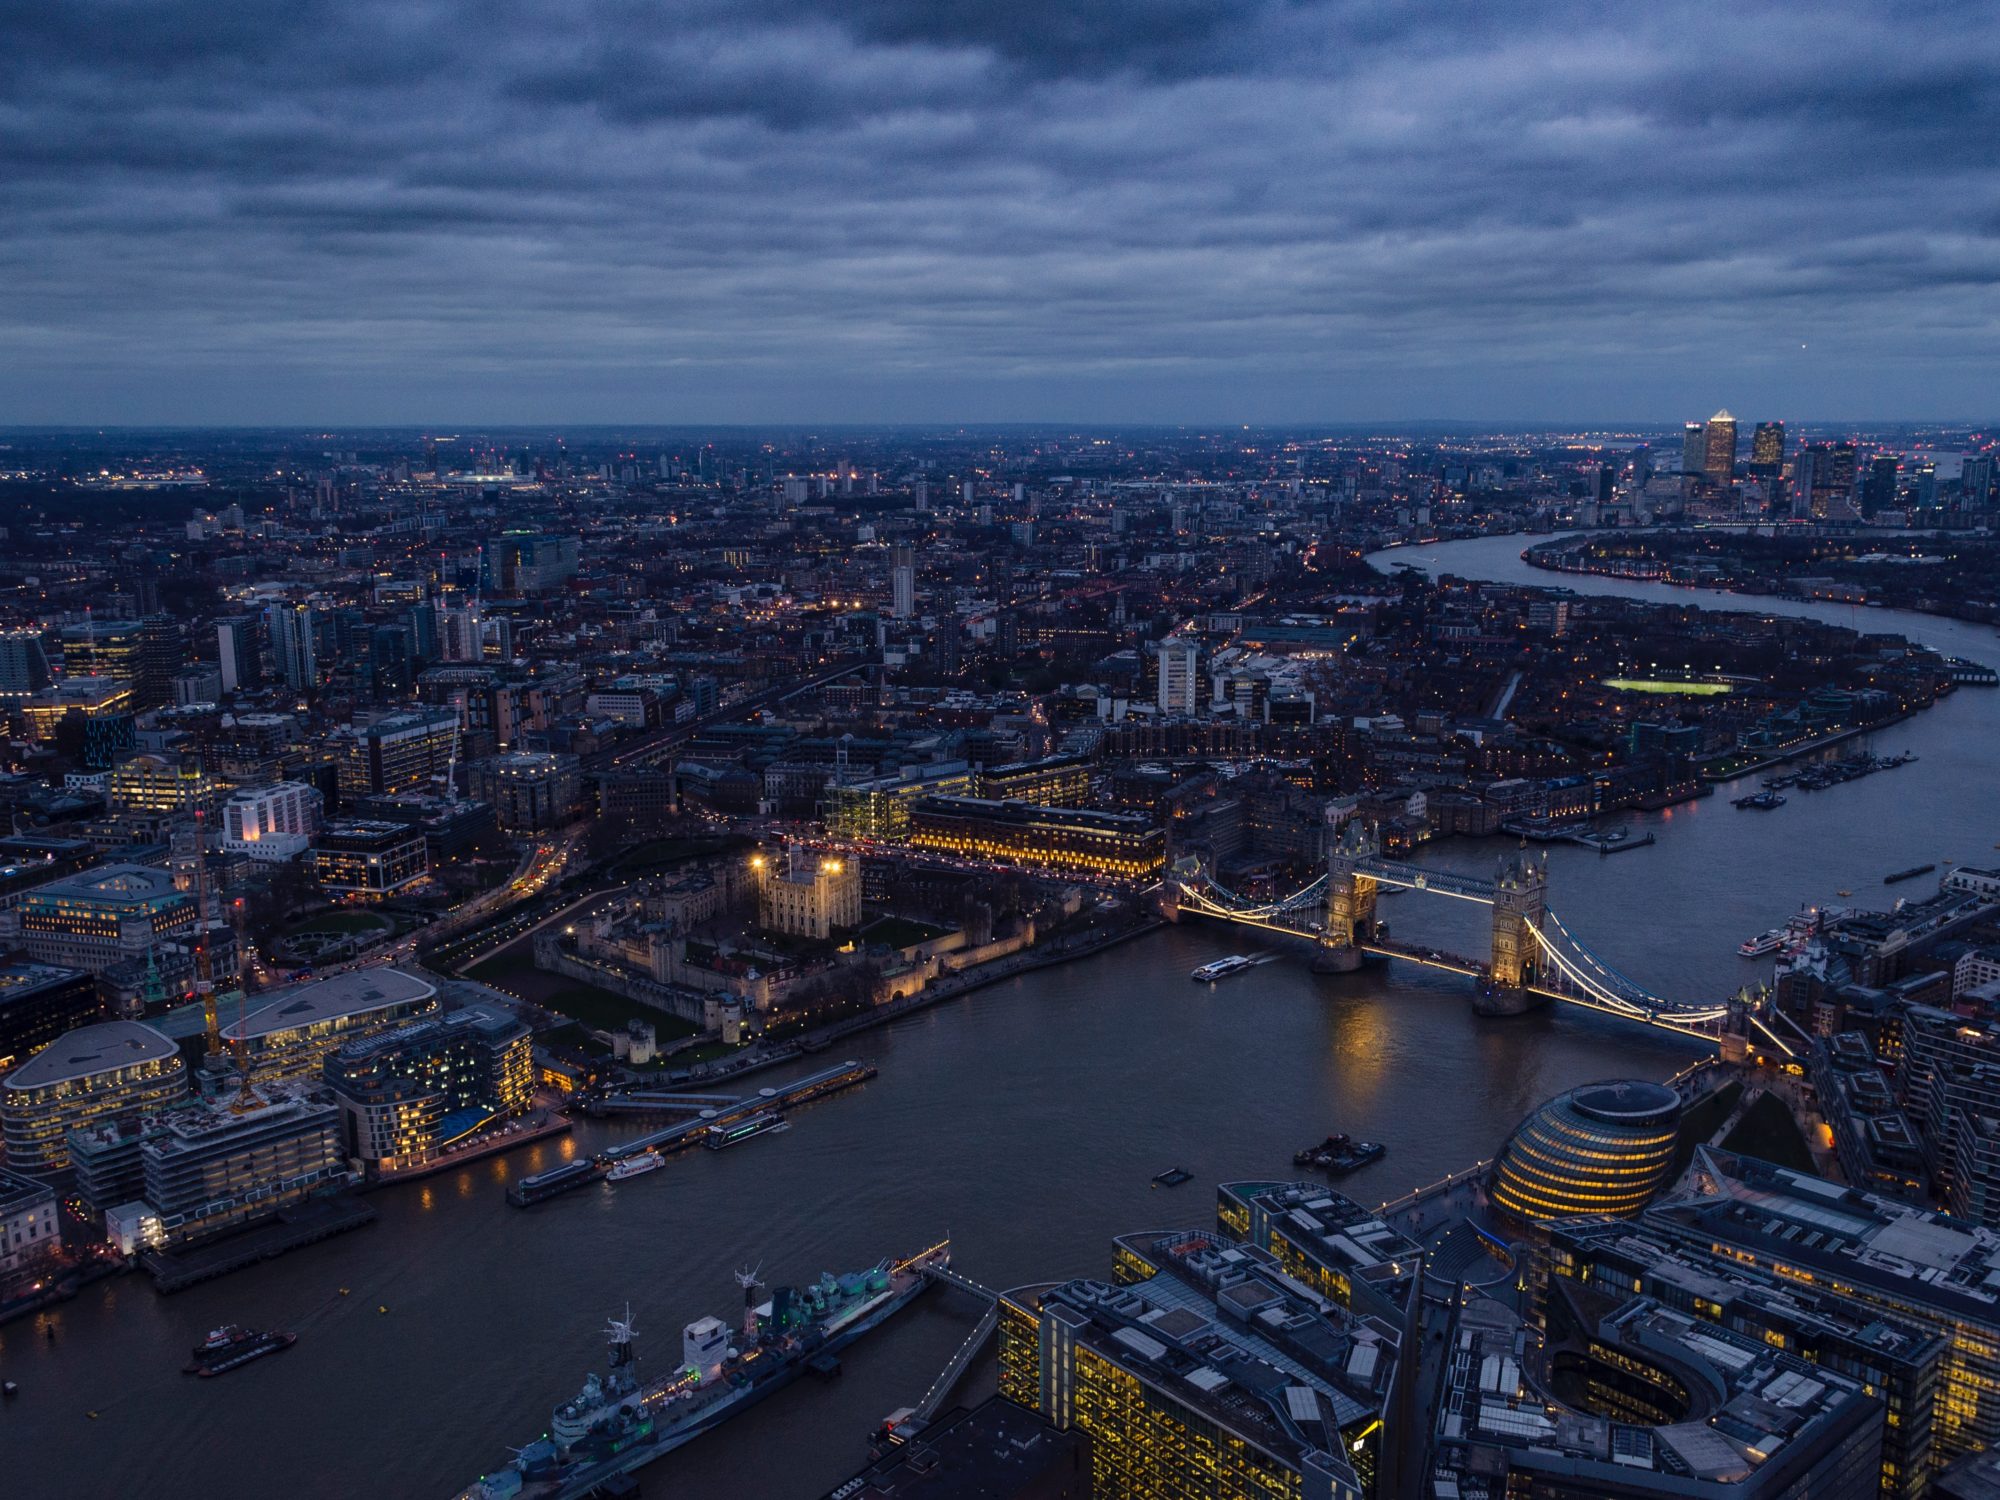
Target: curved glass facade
(1605,1148)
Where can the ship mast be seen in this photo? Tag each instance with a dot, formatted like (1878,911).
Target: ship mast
(749,1282)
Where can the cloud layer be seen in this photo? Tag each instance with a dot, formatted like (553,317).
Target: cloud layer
(712,210)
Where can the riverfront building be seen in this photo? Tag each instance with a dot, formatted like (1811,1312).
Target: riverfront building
(210,1167)
(409,1093)
(1206,1373)
(112,1068)
(1605,1148)
(1127,845)
(30,1229)
(290,1035)
(101,917)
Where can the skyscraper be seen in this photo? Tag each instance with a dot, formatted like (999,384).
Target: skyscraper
(1720,462)
(292,646)
(1767,450)
(1180,679)
(1878,491)
(1694,448)
(24,666)
(903,582)
(237,652)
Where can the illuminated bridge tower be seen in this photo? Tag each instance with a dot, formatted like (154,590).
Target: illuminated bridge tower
(1520,901)
(1350,900)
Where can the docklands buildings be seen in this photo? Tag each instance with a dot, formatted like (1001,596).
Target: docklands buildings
(1205,1373)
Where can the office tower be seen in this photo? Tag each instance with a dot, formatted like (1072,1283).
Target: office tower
(1694,448)
(401,753)
(1719,462)
(1878,491)
(1767,450)
(903,583)
(294,650)
(95,1072)
(102,648)
(923,497)
(237,653)
(24,666)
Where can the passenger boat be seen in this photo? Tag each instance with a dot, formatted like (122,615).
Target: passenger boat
(636,1166)
(1222,968)
(1764,942)
(230,1347)
(765,1122)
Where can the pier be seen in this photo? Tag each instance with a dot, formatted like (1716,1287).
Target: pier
(709,1110)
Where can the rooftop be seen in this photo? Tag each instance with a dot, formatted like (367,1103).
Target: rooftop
(110,883)
(351,994)
(90,1050)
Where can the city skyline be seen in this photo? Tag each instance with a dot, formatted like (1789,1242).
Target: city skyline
(1201,211)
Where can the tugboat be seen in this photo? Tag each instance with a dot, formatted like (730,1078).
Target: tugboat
(230,1347)
(1339,1154)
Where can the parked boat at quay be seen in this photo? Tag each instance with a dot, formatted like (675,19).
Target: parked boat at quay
(624,1419)
(1339,1154)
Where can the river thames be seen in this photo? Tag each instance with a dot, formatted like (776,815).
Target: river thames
(1026,1121)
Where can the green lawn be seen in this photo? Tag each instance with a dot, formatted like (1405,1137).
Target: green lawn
(571,997)
(901,932)
(345,922)
(1768,1132)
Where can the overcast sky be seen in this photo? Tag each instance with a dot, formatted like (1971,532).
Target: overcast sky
(417,211)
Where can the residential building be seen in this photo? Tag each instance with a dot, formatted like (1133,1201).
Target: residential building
(409,1093)
(292,626)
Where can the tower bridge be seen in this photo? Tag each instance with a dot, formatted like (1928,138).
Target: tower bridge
(1533,957)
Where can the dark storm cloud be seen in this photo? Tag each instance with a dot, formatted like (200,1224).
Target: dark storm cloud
(714,209)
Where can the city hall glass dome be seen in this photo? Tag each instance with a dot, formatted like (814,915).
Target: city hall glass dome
(1605,1148)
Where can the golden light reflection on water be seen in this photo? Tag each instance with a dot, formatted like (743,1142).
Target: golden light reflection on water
(427,1201)
(1358,1042)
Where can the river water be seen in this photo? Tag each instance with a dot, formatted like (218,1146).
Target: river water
(1025,1121)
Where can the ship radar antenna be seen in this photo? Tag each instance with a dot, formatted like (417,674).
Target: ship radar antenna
(749,1282)
(620,1333)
